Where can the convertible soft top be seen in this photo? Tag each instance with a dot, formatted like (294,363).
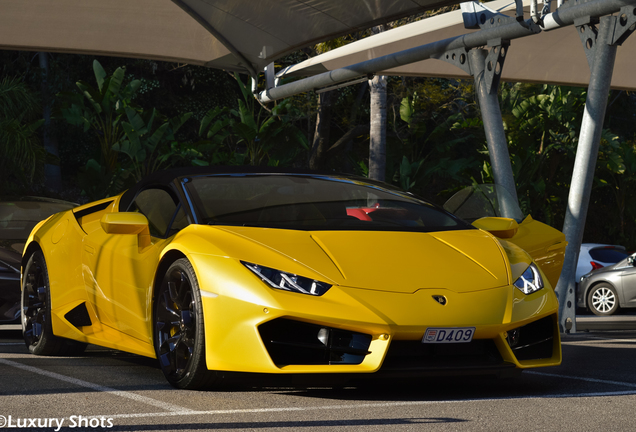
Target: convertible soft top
(167,177)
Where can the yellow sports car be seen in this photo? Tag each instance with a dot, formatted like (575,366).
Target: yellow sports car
(289,273)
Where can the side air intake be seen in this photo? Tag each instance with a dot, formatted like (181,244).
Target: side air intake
(78,316)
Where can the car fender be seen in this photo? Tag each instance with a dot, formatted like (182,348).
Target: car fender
(32,242)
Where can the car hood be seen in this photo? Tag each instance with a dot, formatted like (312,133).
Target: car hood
(461,261)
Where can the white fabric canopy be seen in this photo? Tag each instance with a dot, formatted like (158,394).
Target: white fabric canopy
(229,34)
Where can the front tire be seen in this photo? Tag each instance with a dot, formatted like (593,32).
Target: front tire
(36,312)
(602,300)
(178,329)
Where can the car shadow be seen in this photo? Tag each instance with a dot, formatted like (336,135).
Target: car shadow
(413,422)
(590,365)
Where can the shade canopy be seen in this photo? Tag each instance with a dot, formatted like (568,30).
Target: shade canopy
(238,35)
(554,57)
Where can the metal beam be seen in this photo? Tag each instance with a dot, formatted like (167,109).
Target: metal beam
(573,10)
(602,56)
(477,39)
(467,41)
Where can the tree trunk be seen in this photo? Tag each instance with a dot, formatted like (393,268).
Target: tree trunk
(377,132)
(377,144)
(321,136)
(52,173)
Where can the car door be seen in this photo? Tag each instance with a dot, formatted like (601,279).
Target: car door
(122,272)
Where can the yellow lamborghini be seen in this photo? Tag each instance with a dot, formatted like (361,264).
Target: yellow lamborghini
(291,273)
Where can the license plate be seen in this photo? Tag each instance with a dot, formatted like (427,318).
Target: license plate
(448,335)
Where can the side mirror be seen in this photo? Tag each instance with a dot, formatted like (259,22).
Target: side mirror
(127,223)
(498,226)
(630,260)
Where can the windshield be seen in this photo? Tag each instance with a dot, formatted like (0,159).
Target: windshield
(306,202)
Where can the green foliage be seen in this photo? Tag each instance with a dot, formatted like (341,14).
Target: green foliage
(21,155)
(407,172)
(435,138)
(146,139)
(251,134)
(613,208)
(101,109)
(98,182)
(542,126)
(261,131)
(149,142)
(436,141)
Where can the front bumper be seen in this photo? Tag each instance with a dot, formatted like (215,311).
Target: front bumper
(582,287)
(248,328)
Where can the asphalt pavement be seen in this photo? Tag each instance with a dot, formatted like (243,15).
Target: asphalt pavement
(594,389)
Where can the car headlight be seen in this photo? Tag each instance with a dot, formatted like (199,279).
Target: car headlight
(288,281)
(530,281)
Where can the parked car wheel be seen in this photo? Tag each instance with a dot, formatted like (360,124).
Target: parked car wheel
(602,300)
(36,313)
(179,331)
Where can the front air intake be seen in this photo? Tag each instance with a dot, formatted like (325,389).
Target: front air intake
(290,342)
(533,341)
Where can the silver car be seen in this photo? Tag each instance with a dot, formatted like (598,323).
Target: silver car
(604,290)
(594,256)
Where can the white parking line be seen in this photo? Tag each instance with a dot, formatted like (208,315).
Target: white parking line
(594,380)
(174,409)
(596,340)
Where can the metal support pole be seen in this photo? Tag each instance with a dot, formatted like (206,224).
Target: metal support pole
(493,126)
(602,66)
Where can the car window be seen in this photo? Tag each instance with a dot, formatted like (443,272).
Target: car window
(484,200)
(179,223)
(608,255)
(313,203)
(160,208)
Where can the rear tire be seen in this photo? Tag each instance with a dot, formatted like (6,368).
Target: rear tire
(602,300)
(36,313)
(179,335)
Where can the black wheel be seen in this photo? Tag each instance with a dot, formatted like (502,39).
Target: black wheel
(602,300)
(36,313)
(179,332)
